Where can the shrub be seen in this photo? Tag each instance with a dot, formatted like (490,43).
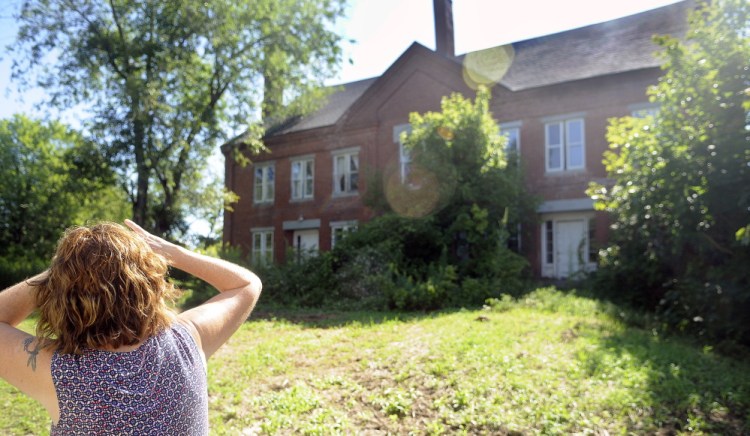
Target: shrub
(307,281)
(711,311)
(429,294)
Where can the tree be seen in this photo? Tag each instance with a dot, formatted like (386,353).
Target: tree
(681,178)
(458,155)
(163,79)
(52,179)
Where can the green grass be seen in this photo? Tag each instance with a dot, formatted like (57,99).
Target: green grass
(547,364)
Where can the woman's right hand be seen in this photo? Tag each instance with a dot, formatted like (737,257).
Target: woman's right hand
(159,245)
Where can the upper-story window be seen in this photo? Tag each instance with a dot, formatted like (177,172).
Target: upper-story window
(512,133)
(404,156)
(643,110)
(303,173)
(346,171)
(264,183)
(565,147)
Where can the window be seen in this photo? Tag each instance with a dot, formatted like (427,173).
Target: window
(550,237)
(339,229)
(403,153)
(264,179)
(262,252)
(346,172)
(593,246)
(564,145)
(514,239)
(302,178)
(644,110)
(512,131)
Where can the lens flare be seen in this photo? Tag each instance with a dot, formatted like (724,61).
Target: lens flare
(416,196)
(487,67)
(420,193)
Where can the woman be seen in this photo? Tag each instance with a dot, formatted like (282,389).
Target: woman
(109,355)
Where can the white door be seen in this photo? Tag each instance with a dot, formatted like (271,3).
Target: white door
(570,246)
(306,241)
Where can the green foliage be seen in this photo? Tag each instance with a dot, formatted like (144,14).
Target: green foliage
(305,281)
(431,293)
(406,244)
(479,195)
(162,80)
(682,181)
(52,179)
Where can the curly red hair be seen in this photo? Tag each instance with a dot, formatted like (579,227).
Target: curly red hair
(106,288)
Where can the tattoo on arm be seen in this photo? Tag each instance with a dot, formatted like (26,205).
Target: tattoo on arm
(33,352)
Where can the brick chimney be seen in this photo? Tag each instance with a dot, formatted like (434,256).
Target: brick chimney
(444,27)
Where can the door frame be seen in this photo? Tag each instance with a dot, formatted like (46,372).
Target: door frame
(552,269)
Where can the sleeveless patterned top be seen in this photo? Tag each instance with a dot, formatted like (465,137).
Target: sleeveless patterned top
(158,388)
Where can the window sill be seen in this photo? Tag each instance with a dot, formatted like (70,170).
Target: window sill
(565,172)
(345,194)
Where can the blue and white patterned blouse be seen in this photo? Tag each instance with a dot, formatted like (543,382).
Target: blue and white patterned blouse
(158,388)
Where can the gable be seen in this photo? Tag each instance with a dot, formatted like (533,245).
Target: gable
(416,82)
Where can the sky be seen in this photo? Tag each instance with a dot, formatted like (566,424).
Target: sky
(383,29)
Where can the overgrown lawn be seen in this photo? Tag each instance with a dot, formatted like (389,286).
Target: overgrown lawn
(549,363)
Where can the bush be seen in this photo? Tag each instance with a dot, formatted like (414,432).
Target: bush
(429,294)
(365,276)
(711,311)
(307,281)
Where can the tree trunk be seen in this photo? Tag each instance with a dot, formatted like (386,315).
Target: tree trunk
(140,206)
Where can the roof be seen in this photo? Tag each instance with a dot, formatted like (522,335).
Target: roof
(616,46)
(335,106)
(624,44)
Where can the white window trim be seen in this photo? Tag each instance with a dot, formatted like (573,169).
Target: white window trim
(513,125)
(303,175)
(263,166)
(568,166)
(261,232)
(341,225)
(564,121)
(404,157)
(345,152)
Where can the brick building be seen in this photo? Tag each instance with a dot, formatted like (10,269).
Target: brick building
(553,103)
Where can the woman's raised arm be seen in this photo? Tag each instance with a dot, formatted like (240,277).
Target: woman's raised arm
(218,318)
(18,301)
